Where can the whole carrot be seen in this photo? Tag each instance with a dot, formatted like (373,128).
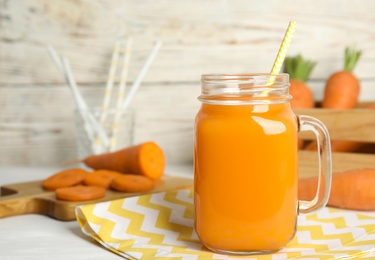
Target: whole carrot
(341,92)
(342,88)
(352,189)
(145,159)
(299,70)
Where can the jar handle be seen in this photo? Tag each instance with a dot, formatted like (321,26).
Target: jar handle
(308,123)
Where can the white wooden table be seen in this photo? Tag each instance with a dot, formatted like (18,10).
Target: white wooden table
(41,237)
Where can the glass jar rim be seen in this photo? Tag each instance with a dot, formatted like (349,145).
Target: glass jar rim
(256,79)
(245,88)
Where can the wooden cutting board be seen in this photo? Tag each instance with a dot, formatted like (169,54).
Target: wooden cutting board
(30,197)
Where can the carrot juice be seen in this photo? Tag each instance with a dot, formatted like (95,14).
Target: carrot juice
(245,165)
(246,189)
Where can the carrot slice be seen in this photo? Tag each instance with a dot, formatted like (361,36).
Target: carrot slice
(101,178)
(132,183)
(66,178)
(80,193)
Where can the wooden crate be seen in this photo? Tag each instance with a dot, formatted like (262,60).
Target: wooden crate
(351,125)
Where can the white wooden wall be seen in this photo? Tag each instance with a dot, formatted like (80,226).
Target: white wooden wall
(206,36)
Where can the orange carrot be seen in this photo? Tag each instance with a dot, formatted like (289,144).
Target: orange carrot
(80,193)
(342,88)
(299,71)
(66,178)
(302,95)
(132,183)
(101,178)
(145,159)
(352,189)
(340,145)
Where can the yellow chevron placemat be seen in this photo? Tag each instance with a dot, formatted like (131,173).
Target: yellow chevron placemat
(161,225)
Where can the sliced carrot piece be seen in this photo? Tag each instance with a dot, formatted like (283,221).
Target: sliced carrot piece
(101,178)
(66,178)
(145,159)
(132,183)
(80,193)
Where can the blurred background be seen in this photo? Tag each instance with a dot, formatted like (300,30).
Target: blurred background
(37,125)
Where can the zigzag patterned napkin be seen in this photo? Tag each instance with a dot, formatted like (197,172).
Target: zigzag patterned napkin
(161,226)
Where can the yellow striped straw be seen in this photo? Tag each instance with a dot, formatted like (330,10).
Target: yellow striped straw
(284,48)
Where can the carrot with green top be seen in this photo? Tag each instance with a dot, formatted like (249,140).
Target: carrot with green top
(299,70)
(343,87)
(342,92)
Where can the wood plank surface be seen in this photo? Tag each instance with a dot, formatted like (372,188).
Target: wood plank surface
(308,162)
(200,36)
(352,125)
(36,120)
(38,127)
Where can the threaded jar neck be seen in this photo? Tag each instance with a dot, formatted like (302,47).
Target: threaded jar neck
(241,89)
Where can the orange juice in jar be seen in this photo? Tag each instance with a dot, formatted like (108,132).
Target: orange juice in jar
(245,164)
